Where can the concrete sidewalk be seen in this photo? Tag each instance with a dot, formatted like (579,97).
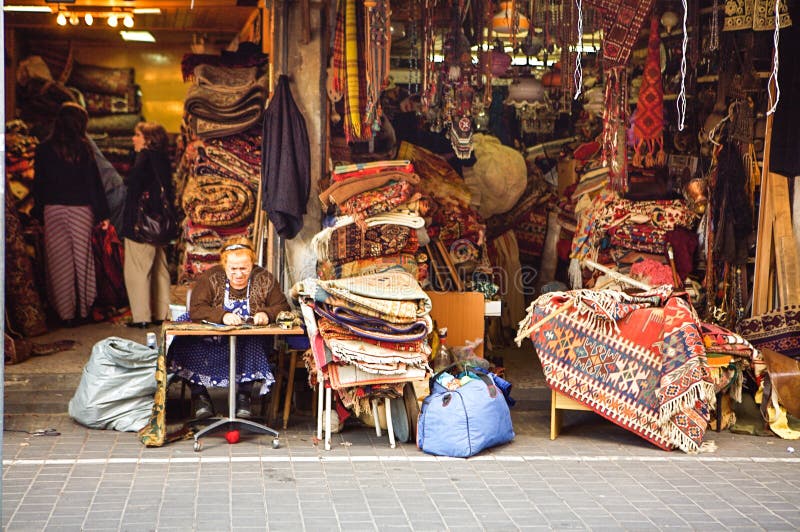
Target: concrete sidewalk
(594,476)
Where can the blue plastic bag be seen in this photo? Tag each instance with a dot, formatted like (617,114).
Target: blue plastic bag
(463,422)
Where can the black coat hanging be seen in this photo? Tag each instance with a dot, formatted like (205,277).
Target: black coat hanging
(285,162)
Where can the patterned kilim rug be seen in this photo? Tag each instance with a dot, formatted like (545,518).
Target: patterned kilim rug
(638,361)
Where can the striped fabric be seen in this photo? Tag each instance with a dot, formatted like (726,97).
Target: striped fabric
(70,264)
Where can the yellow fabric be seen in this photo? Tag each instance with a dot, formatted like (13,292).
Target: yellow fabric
(778,420)
(351,61)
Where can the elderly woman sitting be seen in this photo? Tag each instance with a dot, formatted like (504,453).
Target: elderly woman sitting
(233,293)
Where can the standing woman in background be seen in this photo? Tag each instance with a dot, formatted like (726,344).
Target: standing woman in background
(69,200)
(146,275)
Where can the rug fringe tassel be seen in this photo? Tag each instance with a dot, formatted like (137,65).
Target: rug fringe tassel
(708,447)
(319,243)
(701,391)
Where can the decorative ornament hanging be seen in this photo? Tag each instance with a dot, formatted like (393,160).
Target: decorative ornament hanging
(578,49)
(461,136)
(457,72)
(713,40)
(681,101)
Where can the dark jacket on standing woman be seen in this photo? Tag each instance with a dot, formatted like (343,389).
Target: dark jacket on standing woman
(57,182)
(150,169)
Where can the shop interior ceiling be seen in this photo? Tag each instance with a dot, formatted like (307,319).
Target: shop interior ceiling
(213,22)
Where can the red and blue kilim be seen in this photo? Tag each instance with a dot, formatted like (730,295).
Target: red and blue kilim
(638,361)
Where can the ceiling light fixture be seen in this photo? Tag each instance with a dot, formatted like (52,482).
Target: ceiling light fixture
(146,11)
(112,17)
(138,36)
(28,9)
(510,21)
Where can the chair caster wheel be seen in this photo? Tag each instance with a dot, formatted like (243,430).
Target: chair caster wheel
(275,443)
(197,446)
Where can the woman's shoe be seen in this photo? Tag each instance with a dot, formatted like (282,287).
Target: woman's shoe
(243,406)
(137,324)
(203,407)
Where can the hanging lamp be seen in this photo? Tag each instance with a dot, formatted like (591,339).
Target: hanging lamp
(510,21)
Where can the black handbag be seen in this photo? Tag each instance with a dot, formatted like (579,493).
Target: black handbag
(159,226)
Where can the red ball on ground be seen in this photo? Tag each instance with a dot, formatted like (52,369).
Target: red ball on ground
(232,436)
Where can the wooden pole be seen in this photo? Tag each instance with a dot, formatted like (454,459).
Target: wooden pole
(761,288)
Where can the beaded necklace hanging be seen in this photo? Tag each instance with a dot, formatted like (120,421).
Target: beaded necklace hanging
(413,50)
(429,74)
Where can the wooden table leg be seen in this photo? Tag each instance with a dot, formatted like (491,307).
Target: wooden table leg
(555,417)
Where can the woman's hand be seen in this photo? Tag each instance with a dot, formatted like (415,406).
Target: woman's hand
(229,318)
(261,318)
(104,224)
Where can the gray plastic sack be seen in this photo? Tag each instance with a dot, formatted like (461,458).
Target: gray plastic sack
(117,386)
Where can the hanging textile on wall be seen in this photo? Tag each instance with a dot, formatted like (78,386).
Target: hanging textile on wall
(377,56)
(648,120)
(622,21)
(758,15)
(348,63)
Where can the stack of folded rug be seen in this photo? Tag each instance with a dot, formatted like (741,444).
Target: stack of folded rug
(114,103)
(218,185)
(370,320)
(630,231)
(451,218)
(380,220)
(368,333)
(225,100)
(20,151)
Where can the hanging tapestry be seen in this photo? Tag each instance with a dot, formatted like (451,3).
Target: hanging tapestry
(756,15)
(348,64)
(638,361)
(648,120)
(622,20)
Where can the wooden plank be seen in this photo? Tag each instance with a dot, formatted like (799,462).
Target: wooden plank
(786,259)
(764,238)
(462,314)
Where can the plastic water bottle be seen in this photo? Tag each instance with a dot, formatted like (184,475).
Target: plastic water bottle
(151,340)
